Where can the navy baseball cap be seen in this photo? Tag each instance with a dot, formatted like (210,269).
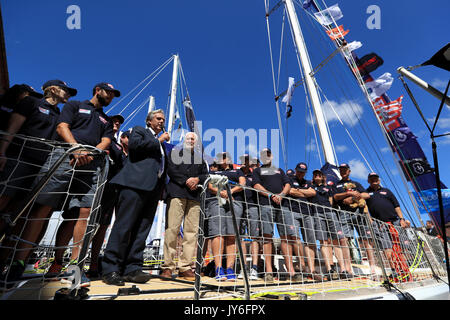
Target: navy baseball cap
(31,91)
(344,165)
(372,174)
(301,167)
(119,117)
(108,87)
(317,171)
(62,84)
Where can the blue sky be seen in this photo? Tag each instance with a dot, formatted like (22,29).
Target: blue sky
(225,57)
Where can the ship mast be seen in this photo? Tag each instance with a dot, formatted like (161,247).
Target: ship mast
(310,84)
(173,94)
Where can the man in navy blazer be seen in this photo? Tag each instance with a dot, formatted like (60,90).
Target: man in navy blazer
(141,182)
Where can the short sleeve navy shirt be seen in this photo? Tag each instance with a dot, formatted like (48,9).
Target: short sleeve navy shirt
(341,188)
(250,196)
(40,121)
(382,204)
(233,175)
(299,184)
(272,179)
(322,197)
(87,123)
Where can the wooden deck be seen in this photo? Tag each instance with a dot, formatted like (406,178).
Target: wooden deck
(158,289)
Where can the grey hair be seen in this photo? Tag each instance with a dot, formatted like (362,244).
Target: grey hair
(151,114)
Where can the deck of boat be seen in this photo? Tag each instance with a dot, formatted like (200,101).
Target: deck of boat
(158,289)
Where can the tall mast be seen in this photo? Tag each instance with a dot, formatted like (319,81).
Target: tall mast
(173,94)
(310,84)
(151,104)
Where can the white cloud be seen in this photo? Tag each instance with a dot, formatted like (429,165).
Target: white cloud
(311,146)
(359,170)
(385,149)
(439,84)
(443,141)
(341,148)
(349,112)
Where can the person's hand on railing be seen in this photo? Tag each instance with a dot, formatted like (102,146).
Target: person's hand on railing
(80,158)
(276,198)
(224,194)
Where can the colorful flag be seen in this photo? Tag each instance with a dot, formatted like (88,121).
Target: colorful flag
(337,33)
(329,15)
(389,111)
(379,86)
(369,63)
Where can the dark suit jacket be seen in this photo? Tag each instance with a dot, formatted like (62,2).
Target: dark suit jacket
(144,161)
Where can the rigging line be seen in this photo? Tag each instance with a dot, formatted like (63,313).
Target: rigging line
(124,97)
(281,49)
(134,98)
(315,83)
(268,13)
(344,92)
(389,140)
(134,113)
(275,93)
(346,130)
(347,57)
(388,175)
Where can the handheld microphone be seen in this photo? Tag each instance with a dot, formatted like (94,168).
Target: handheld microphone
(163,127)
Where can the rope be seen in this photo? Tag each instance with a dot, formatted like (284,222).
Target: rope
(150,75)
(275,94)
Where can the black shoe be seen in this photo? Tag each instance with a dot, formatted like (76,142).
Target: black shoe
(137,276)
(113,279)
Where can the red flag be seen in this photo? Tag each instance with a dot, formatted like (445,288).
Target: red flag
(388,113)
(337,33)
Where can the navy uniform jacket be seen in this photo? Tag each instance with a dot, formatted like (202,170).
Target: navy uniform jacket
(144,162)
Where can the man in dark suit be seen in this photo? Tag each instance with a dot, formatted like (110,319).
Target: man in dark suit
(141,183)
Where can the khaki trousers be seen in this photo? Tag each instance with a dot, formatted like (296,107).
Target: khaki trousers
(179,209)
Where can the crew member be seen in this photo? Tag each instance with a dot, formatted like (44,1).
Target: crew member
(274,185)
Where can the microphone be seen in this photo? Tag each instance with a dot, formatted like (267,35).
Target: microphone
(163,127)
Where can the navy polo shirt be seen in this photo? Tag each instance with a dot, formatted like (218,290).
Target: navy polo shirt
(382,204)
(323,194)
(41,119)
(87,123)
(250,196)
(299,184)
(233,175)
(340,188)
(272,179)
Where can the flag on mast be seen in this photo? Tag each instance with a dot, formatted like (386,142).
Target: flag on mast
(288,97)
(329,16)
(379,86)
(337,33)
